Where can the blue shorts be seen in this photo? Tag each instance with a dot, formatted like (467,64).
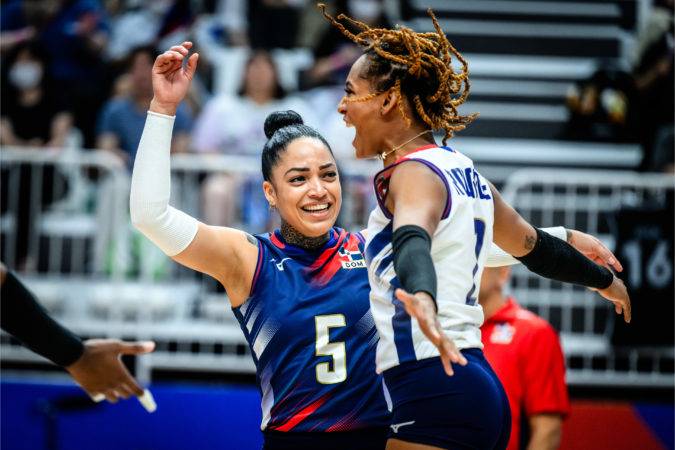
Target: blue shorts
(363,439)
(467,410)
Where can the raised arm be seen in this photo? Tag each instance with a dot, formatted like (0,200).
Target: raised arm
(226,254)
(553,258)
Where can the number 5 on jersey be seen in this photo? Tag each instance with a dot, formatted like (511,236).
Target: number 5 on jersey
(336,350)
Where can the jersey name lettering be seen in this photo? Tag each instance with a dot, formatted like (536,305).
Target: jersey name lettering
(467,182)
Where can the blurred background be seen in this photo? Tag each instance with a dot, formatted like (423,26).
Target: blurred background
(576,128)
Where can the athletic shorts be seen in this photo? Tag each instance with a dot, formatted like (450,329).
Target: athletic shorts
(468,410)
(364,439)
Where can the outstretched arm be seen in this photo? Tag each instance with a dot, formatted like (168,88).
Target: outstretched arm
(94,364)
(226,254)
(553,258)
(584,243)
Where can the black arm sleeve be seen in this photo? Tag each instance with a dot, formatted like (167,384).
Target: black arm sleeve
(412,260)
(25,319)
(557,260)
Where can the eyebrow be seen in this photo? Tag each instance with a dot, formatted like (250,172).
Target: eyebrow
(306,169)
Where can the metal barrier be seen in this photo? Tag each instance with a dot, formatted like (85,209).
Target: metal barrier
(101,278)
(586,200)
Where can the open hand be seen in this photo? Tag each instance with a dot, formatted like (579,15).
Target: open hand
(171,79)
(421,307)
(100,370)
(618,294)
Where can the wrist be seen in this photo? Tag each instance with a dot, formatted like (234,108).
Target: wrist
(570,236)
(168,109)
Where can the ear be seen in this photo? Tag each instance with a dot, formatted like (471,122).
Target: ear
(389,102)
(270,193)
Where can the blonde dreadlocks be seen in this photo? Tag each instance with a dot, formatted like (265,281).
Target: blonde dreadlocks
(417,65)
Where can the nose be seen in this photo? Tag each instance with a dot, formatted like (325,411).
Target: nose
(317,189)
(342,106)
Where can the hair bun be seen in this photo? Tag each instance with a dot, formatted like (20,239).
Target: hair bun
(280,119)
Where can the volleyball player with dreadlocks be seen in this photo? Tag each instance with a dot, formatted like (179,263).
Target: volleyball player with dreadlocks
(426,241)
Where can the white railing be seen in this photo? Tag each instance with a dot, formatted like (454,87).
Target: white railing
(586,200)
(121,286)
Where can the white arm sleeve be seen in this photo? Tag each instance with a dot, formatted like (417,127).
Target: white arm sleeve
(498,257)
(171,230)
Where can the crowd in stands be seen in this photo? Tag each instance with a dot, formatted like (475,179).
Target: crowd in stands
(77,72)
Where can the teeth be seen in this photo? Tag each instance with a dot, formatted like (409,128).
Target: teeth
(316,207)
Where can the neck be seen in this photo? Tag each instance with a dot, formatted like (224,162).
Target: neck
(492,303)
(405,142)
(294,237)
(259,97)
(30,96)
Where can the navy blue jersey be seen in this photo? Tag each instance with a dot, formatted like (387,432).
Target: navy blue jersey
(312,336)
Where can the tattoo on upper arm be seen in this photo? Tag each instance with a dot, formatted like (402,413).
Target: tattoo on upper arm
(251,240)
(530,241)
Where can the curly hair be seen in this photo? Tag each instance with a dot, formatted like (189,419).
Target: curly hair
(417,66)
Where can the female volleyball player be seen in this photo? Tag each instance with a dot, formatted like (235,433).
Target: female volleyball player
(299,293)
(426,240)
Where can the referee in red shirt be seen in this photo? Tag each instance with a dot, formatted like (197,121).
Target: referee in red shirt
(524,351)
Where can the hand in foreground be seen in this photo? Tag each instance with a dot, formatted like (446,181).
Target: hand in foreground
(421,307)
(618,294)
(170,79)
(100,371)
(593,249)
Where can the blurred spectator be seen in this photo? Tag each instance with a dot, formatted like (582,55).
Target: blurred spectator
(334,54)
(31,114)
(232,17)
(122,119)
(74,33)
(601,107)
(274,23)
(524,351)
(654,80)
(234,125)
(133,23)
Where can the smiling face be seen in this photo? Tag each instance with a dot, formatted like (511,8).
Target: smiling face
(305,187)
(360,108)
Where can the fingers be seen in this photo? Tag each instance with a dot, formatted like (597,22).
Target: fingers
(447,366)
(192,65)
(169,61)
(111,395)
(124,391)
(97,398)
(607,256)
(626,310)
(136,348)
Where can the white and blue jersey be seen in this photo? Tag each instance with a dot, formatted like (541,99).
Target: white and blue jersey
(312,337)
(459,249)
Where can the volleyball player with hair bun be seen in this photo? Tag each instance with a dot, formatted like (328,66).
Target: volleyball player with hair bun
(299,293)
(427,239)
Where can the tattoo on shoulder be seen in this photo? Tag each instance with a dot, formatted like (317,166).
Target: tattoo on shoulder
(529,242)
(251,240)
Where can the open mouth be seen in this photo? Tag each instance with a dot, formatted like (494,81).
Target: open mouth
(319,208)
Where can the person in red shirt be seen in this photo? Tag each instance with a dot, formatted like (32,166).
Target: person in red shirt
(524,351)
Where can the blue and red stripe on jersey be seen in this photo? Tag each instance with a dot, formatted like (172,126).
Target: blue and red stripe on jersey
(291,288)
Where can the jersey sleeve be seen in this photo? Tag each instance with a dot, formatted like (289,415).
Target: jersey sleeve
(545,390)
